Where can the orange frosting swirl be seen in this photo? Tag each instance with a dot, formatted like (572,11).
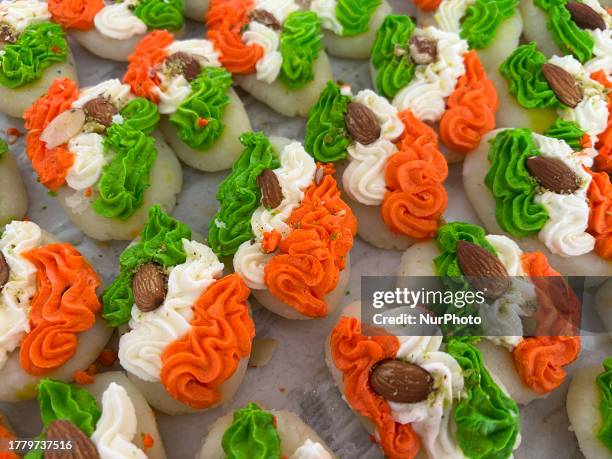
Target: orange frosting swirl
(603,162)
(225,20)
(600,217)
(75,14)
(65,304)
(427,5)
(195,366)
(149,53)
(355,355)
(471,108)
(310,258)
(51,165)
(7,434)
(414,176)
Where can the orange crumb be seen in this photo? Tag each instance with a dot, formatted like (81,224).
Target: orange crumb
(56,49)
(88,192)
(82,377)
(13,131)
(282,389)
(92,370)
(107,357)
(270,241)
(147,441)
(202,122)
(585,141)
(274,422)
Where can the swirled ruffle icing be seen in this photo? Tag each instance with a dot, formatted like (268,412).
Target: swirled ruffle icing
(599,195)
(483,18)
(569,132)
(604,383)
(252,434)
(140,115)
(161,14)
(603,161)
(75,14)
(355,15)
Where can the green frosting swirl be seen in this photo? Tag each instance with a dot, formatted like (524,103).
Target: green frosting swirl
(125,179)
(482,19)
(3,148)
(207,101)
(570,38)
(161,14)
(604,382)
(523,71)
(252,435)
(512,186)
(355,15)
(488,420)
(239,195)
(160,242)
(141,115)
(326,137)
(567,131)
(37,48)
(391,56)
(300,43)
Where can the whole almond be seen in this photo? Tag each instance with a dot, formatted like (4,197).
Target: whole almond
(63,430)
(4,270)
(63,127)
(149,287)
(563,84)
(319,176)
(553,174)
(271,191)
(423,51)
(585,17)
(361,123)
(100,110)
(266,18)
(483,270)
(400,381)
(7,34)
(187,64)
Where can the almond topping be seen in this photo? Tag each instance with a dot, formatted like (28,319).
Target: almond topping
(4,270)
(63,430)
(266,18)
(422,50)
(483,270)
(401,382)
(63,127)
(361,123)
(101,110)
(585,17)
(563,84)
(149,287)
(186,64)
(553,174)
(271,191)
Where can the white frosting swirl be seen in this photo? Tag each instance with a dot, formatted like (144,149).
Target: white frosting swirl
(88,151)
(279,8)
(140,349)
(326,10)
(602,52)
(311,450)
(118,22)
(21,13)
(116,428)
(18,237)
(508,252)
(202,50)
(426,94)
(391,127)
(431,418)
(269,66)
(449,14)
(116,92)
(295,174)
(171,91)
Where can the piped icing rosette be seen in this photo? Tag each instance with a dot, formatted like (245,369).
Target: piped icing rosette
(48,308)
(431,73)
(349,26)
(112,29)
(589,408)
(169,291)
(106,419)
(520,301)
(389,163)
(13,195)
(203,114)
(558,95)
(284,222)
(416,393)
(254,433)
(274,49)
(33,51)
(581,28)
(96,149)
(541,190)
(491,27)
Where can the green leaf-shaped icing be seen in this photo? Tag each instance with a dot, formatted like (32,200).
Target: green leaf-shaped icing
(567,131)
(326,137)
(198,117)
(141,115)
(482,19)
(161,14)
(604,383)
(239,195)
(300,44)
(252,435)
(160,242)
(391,56)
(488,421)
(523,71)
(355,15)
(512,186)
(37,48)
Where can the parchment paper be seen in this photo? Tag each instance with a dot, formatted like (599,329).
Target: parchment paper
(296,378)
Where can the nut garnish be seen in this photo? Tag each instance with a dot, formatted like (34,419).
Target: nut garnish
(184,63)
(423,51)
(100,110)
(553,174)
(401,382)
(149,286)
(7,34)
(4,270)
(563,84)
(319,176)
(483,270)
(63,127)
(82,446)
(271,191)
(361,123)
(585,17)
(266,18)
